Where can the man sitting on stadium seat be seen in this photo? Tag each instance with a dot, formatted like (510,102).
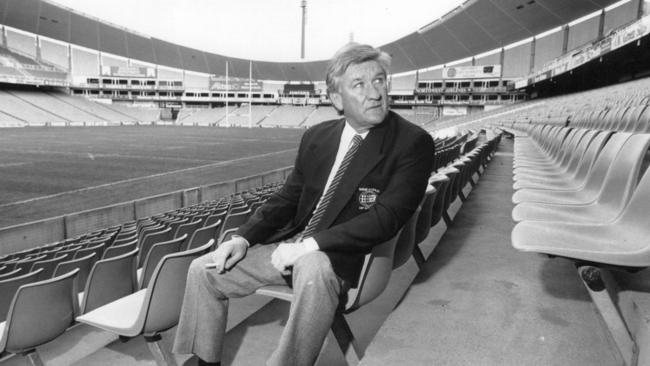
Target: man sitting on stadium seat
(355,182)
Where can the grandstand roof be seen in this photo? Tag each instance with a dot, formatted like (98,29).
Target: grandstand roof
(473,28)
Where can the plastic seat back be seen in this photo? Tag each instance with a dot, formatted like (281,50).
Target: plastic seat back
(215,217)
(48,266)
(635,215)
(84,264)
(423,224)
(375,274)
(441,183)
(175,224)
(149,240)
(97,249)
(188,228)
(166,288)
(156,253)
(406,241)
(110,279)
(8,288)
(116,250)
(125,239)
(203,235)
(625,172)
(40,312)
(643,123)
(8,275)
(235,220)
(26,264)
(605,158)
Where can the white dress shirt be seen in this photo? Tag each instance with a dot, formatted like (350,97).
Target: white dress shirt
(344,146)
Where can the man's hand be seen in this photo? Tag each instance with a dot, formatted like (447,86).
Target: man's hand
(286,254)
(228,254)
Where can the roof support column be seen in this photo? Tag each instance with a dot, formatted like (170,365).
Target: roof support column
(565,41)
(533,45)
(601,24)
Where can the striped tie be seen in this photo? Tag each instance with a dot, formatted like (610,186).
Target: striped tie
(310,230)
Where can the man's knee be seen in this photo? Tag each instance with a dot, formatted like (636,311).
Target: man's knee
(314,267)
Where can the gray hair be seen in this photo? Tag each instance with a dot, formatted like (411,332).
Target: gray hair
(350,54)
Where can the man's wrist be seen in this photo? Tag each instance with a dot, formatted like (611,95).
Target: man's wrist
(248,245)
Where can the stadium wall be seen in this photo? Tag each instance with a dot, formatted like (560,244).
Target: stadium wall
(30,235)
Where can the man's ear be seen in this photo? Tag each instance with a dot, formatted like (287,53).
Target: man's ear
(337,101)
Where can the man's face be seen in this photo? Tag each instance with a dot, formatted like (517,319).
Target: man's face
(362,95)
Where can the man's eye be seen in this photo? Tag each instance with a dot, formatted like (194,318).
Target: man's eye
(357,85)
(379,81)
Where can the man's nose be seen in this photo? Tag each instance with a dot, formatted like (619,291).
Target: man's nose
(374,91)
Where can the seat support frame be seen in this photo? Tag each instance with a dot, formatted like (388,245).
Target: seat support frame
(600,285)
(161,354)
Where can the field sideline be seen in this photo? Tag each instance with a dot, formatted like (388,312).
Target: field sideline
(47,172)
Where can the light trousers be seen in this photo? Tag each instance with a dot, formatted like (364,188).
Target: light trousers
(202,324)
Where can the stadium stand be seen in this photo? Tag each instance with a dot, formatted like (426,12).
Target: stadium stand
(581,186)
(320,114)
(65,111)
(239,117)
(287,116)
(99,110)
(24,111)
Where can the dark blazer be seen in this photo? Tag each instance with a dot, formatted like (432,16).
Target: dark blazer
(379,192)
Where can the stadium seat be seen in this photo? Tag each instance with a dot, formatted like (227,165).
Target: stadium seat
(204,234)
(121,240)
(440,182)
(573,158)
(97,249)
(622,242)
(615,191)
(26,264)
(423,224)
(575,192)
(154,256)
(406,241)
(84,264)
(214,217)
(9,286)
(110,279)
(48,266)
(115,250)
(152,310)
(188,228)
(452,191)
(151,238)
(577,178)
(7,275)
(234,220)
(375,274)
(39,312)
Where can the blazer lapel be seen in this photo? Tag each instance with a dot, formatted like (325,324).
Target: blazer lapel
(370,153)
(323,153)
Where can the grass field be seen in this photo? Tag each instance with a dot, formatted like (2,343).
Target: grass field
(46,172)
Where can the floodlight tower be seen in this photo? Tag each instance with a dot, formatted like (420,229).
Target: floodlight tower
(303,5)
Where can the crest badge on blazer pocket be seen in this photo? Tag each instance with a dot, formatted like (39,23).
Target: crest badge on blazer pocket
(367,197)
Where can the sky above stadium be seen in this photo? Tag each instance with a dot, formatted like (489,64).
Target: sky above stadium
(268,29)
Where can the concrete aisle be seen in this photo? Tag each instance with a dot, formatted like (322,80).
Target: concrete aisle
(478,301)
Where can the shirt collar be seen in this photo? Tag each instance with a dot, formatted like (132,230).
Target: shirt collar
(349,132)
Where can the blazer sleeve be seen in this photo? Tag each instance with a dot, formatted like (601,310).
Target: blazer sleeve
(279,209)
(393,207)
